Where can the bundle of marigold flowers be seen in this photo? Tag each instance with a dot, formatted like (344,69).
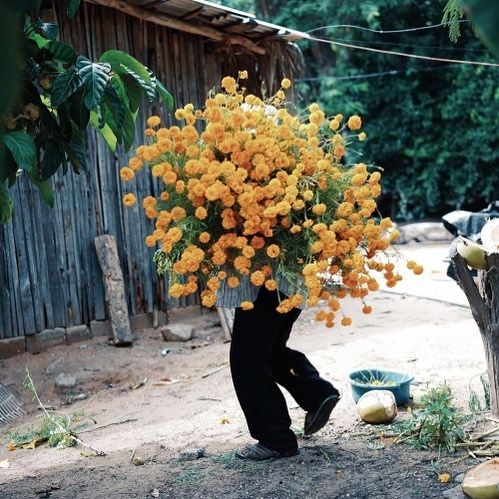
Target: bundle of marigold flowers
(255,191)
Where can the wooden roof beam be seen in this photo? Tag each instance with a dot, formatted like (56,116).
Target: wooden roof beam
(172,22)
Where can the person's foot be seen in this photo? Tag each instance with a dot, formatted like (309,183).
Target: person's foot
(258,452)
(314,421)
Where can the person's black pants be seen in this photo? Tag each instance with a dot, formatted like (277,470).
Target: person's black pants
(259,358)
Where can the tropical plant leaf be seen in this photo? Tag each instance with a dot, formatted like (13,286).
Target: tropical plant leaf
(49,30)
(76,150)
(124,64)
(147,87)
(22,147)
(133,90)
(73,6)
(5,204)
(116,106)
(64,86)
(79,112)
(129,129)
(485,17)
(53,157)
(165,96)
(62,52)
(95,77)
(105,131)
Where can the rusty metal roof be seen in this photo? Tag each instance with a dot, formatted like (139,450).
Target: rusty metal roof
(224,19)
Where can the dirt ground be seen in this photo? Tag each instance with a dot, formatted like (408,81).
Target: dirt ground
(423,327)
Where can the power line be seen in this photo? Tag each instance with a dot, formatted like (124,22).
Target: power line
(404,54)
(333,26)
(410,45)
(391,72)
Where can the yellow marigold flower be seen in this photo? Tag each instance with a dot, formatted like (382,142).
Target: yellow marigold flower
(285,83)
(334,124)
(243,75)
(314,107)
(150,241)
(135,163)
(257,278)
(170,177)
(362,136)
(204,237)
(308,223)
(233,282)
(126,174)
(418,269)
(271,284)
(176,290)
(209,299)
(153,121)
(165,196)
(229,84)
(149,132)
(248,252)
(180,114)
(178,213)
(129,199)
(308,195)
(411,264)
(319,209)
(247,305)
(201,212)
(346,321)
(273,251)
(354,122)
(158,170)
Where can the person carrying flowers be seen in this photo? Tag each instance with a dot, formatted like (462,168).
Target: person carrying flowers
(260,211)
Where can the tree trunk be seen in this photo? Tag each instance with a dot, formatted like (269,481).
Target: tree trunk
(484,303)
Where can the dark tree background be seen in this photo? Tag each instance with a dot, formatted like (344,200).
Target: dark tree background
(433,126)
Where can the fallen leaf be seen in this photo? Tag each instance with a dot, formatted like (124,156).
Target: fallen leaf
(224,420)
(444,477)
(11,446)
(87,453)
(5,463)
(36,442)
(139,384)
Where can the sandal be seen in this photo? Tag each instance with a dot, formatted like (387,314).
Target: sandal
(258,452)
(314,421)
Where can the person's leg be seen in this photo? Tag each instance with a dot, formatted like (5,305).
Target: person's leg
(261,400)
(296,373)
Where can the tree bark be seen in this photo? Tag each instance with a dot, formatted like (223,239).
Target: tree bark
(484,302)
(115,290)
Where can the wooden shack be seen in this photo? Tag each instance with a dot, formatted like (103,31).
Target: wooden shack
(49,274)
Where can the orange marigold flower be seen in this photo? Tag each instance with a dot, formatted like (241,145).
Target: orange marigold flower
(411,264)
(129,200)
(126,174)
(204,237)
(271,284)
(150,241)
(367,309)
(247,305)
(418,269)
(346,321)
(257,278)
(273,251)
(233,282)
(176,290)
(153,121)
(362,136)
(201,212)
(354,122)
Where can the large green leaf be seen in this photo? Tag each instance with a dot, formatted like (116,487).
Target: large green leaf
(62,52)
(484,15)
(5,204)
(76,151)
(73,6)
(64,86)
(44,188)
(115,107)
(129,129)
(53,157)
(165,96)
(48,30)
(22,147)
(79,112)
(105,131)
(95,77)
(124,64)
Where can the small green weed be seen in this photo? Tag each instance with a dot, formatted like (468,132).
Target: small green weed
(439,425)
(479,402)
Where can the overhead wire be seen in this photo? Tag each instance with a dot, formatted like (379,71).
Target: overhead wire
(404,54)
(382,31)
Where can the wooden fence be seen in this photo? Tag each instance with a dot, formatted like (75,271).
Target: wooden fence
(49,274)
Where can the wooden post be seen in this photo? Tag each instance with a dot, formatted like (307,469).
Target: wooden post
(484,302)
(115,289)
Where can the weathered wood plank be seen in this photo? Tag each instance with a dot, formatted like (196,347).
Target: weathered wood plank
(115,290)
